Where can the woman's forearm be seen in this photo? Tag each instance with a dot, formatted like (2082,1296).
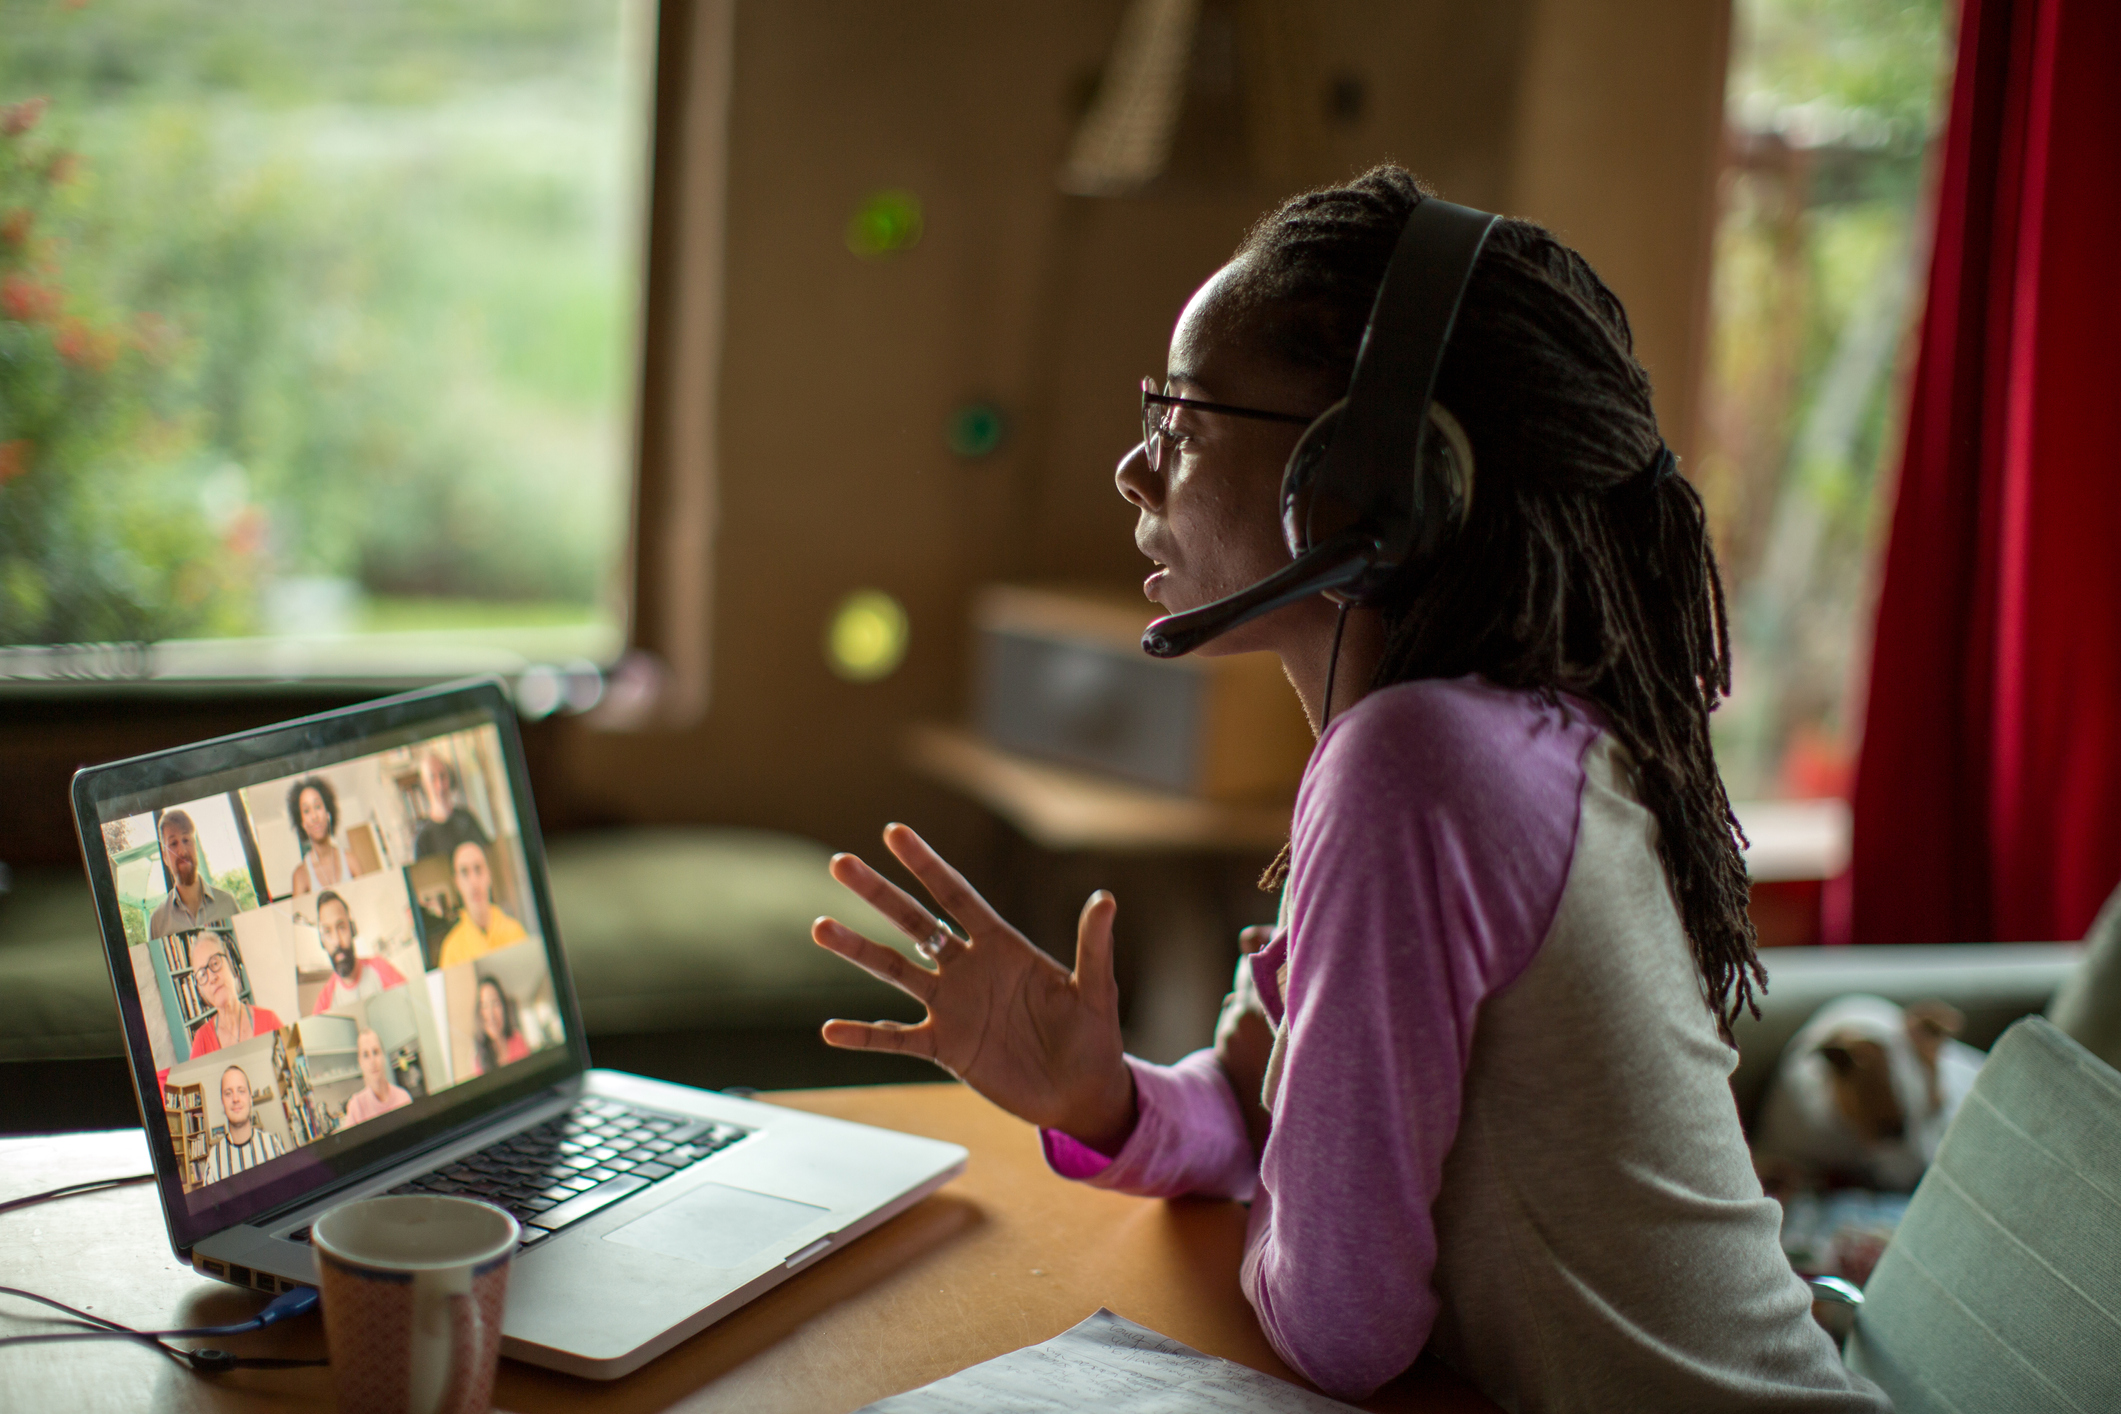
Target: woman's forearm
(1189,1137)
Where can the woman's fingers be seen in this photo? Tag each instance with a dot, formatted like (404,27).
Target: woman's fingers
(1251,940)
(948,887)
(894,1036)
(1093,947)
(884,896)
(874,958)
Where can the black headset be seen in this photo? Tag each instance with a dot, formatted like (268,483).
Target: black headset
(1361,498)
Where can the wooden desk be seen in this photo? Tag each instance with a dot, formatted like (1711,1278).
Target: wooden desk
(1006,1256)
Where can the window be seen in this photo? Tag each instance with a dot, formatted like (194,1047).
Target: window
(1835,112)
(318,331)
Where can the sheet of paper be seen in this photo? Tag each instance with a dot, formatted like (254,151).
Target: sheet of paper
(1108,1363)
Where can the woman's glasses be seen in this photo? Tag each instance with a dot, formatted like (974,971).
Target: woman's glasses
(1158,407)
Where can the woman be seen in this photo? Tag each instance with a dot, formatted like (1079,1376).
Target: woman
(499,1039)
(314,810)
(1476,1084)
(378,1093)
(233,1020)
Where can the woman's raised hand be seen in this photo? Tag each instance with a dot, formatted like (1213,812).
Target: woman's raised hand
(1038,1040)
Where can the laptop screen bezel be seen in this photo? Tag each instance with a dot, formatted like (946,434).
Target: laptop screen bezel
(96,787)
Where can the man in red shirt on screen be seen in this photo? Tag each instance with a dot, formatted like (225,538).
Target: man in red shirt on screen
(352,977)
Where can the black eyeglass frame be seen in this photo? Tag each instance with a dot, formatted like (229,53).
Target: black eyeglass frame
(1153,430)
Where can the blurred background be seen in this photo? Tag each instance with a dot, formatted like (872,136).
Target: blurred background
(722,374)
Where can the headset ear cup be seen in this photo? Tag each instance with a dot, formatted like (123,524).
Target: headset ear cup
(1441,486)
(1315,506)
(1302,498)
(1449,468)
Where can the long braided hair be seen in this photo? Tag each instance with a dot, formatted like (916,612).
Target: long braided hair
(1584,565)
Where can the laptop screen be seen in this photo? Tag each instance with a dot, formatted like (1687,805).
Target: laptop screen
(329,949)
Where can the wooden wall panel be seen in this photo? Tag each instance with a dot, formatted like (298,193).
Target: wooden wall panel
(795,395)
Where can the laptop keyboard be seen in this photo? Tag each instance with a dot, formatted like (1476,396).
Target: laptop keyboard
(578,1163)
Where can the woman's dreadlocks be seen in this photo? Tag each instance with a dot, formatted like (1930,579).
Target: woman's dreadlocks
(1583,567)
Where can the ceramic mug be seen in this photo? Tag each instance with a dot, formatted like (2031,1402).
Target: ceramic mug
(413,1291)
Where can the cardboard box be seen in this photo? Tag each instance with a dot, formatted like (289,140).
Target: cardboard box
(1061,675)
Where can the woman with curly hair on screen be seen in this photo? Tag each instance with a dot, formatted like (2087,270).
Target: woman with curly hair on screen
(313,809)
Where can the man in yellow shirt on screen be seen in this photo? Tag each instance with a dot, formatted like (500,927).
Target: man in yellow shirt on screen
(483,927)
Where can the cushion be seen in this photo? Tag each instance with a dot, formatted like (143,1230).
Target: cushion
(666,929)
(2002,1287)
(2088,1007)
(55,997)
(675,929)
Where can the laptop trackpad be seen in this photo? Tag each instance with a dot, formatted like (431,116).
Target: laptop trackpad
(717,1226)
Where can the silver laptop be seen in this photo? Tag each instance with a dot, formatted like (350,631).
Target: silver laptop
(340,975)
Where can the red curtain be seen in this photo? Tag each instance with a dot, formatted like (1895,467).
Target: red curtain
(1988,795)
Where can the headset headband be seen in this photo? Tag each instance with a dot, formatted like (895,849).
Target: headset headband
(1402,351)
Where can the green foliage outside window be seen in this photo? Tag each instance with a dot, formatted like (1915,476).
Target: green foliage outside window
(316,318)
(237,882)
(1834,110)
(98,540)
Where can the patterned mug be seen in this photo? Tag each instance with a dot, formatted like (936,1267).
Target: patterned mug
(413,1292)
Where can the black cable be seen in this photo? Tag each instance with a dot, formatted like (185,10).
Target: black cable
(299,1301)
(61,1306)
(296,1302)
(71,1189)
(1340,624)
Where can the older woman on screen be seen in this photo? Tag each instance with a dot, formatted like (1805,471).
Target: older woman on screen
(233,1020)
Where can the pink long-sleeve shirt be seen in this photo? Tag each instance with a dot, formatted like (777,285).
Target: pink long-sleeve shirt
(1437,832)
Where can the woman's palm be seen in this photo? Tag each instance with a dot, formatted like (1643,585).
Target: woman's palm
(1037,1039)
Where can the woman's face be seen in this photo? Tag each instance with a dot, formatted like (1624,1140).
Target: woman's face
(217,980)
(1210,517)
(493,1016)
(316,820)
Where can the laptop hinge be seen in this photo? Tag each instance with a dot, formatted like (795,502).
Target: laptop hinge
(273,1215)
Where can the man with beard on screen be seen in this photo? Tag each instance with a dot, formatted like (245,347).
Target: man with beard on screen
(352,977)
(193,902)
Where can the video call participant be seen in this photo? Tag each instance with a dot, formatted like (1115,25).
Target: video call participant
(448,823)
(500,1039)
(483,927)
(234,1020)
(313,808)
(378,1094)
(244,1143)
(192,902)
(352,977)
